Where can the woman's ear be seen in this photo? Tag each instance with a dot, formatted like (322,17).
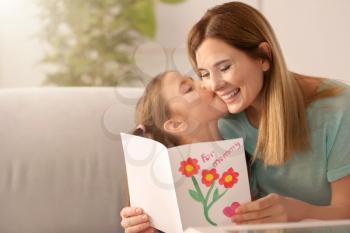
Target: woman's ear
(265,48)
(175,126)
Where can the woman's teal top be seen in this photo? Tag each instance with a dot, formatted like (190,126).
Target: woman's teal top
(307,176)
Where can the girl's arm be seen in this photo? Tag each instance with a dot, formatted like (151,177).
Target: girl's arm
(276,208)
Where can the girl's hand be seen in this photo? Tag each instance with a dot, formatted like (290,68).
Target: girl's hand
(272,208)
(135,221)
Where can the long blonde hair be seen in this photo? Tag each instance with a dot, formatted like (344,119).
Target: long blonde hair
(152,111)
(283,127)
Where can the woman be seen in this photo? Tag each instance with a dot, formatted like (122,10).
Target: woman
(173,110)
(296,127)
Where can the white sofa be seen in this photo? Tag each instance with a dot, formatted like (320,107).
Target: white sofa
(61,162)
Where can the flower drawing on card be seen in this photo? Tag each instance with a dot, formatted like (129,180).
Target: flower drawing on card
(207,192)
(189,167)
(229,178)
(209,176)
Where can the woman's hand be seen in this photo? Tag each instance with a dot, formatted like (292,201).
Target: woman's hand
(135,221)
(272,208)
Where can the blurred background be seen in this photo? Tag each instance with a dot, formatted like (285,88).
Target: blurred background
(126,42)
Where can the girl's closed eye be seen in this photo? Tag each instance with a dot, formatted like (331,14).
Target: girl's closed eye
(189,85)
(188,88)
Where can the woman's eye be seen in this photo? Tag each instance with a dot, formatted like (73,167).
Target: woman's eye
(225,68)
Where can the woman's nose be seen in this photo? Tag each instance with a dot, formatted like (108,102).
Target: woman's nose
(216,83)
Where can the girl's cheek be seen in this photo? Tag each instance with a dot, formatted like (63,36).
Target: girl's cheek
(192,97)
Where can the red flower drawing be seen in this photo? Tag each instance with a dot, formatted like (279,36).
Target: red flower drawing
(189,167)
(229,178)
(209,176)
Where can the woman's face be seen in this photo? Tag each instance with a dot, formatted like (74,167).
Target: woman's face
(234,76)
(186,99)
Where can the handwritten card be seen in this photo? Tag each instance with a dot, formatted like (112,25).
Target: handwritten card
(191,185)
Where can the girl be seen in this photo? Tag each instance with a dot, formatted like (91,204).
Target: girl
(173,110)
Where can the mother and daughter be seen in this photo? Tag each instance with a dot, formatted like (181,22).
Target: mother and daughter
(296,128)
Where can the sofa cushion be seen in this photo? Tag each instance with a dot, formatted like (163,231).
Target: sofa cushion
(61,161)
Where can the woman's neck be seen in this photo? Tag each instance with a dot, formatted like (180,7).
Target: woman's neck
(203,133)
(253,112)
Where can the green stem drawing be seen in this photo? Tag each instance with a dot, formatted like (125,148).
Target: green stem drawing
(208,194)
(222,194)
(198,196)
(196,186)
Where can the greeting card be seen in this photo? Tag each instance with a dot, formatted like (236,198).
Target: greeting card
(191,185)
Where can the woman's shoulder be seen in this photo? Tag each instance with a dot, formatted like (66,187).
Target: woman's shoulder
(312,84)
(320,91)
(337,93)
(331,105)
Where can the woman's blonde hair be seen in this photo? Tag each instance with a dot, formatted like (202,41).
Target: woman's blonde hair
(152,112)
(283,127)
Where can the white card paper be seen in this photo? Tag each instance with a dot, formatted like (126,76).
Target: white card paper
(191,185)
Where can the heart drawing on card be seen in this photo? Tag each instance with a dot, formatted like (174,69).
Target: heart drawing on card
(230,211)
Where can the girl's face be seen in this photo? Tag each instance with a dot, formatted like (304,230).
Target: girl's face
(188,101)
(234,76)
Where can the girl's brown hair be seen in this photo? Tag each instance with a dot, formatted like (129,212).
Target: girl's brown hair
(152,112)
(283,127)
